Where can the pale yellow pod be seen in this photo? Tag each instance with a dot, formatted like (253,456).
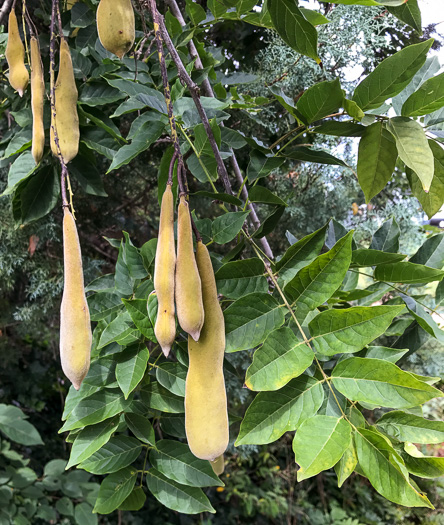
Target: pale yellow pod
(206,416)
(70,4)
(164,270)
(116,26)
(189,305)
(75,326)
(67,119)
(37,101)
(218,465)
(15,55)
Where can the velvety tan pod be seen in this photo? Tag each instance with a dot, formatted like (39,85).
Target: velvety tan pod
(67,119)
(15,55)
(164,274)
(70,4)
(37,101)
(218,465)
(206,416)
(116,26)
(75,326)
(189,305)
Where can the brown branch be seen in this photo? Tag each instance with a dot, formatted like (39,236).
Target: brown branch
(208,90)
(5,9)
(56,13)
(171,168)
(195,94)
(167,94)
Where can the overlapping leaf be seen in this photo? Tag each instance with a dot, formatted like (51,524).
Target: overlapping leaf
(271,414)
(281,358)
(349,330)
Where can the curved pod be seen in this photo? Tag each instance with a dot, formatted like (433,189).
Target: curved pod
(206,417)
(189,305)
(66,120)
(165,266)
(37,101)
(75,326)
(116,26)
(15,55)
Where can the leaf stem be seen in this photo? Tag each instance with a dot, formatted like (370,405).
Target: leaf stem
(306,341)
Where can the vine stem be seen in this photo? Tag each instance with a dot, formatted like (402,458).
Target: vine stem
(64,175)
(208,90)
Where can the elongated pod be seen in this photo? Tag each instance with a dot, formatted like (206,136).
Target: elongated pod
(15,55)
(206,417)
(189,305)
(116,26)
(164,270)
(75,326)
(66,120)
(37,101)
(218,465)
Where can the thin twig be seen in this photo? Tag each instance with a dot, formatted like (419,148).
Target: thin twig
(167,94)
(208,90)
(5,9)
(194,91)
(64,175)
(171,168)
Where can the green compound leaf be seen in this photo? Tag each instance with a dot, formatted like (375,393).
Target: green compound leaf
(366,257)
(177,462)
(391,76)
(189,500)
(271,414)
(383,467)
(95,408)
(377,157)
(428,467)
(130,368)
(349,330)
(172,376)
(157,397)
(227,226)
(320,100)
(427,99)
(386,238)
(407,273)
(319,444)
(119,452)
(300,254)
(434,199)
(90,439)
(347,464)
(281,358)
(239,278)
(294,28)
(316,283)
(411,428)
(141,427)
(114,490)
(413,148)
(380,383)
(250,319)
